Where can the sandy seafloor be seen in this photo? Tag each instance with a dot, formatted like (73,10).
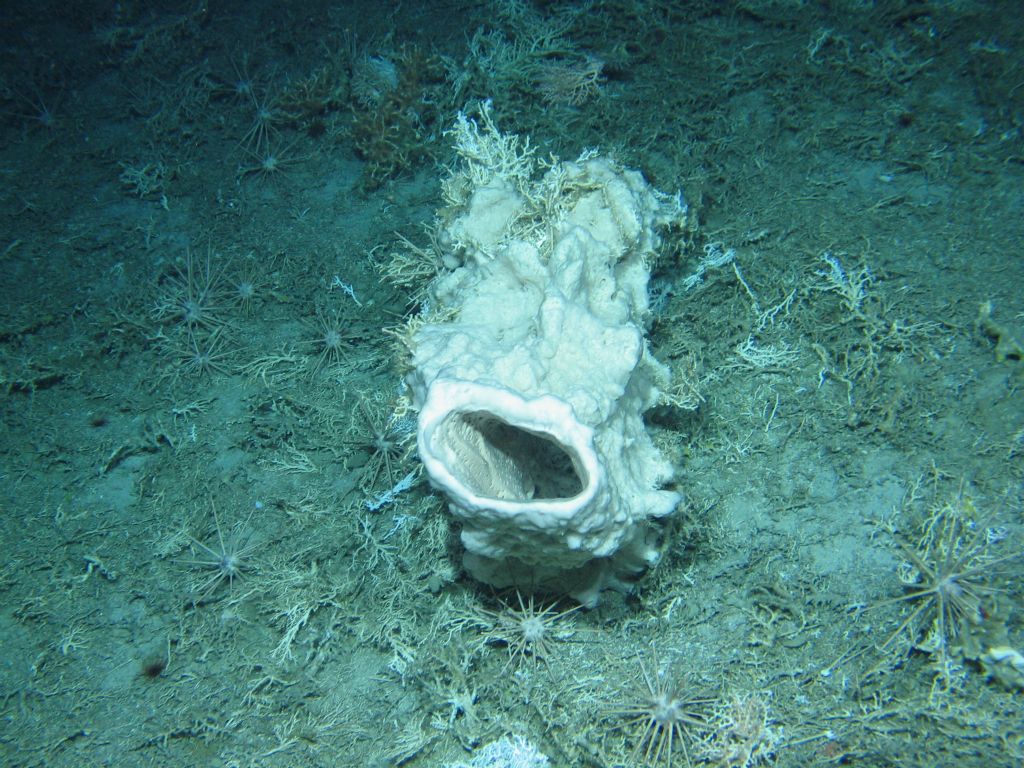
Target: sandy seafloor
(840,586)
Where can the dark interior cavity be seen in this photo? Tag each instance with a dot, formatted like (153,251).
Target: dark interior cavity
(495,459)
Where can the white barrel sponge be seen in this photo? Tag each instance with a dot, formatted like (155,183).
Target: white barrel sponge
(532,384)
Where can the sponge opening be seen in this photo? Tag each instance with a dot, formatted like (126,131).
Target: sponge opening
(495,459)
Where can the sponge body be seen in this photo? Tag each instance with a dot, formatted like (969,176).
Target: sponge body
(531,392)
